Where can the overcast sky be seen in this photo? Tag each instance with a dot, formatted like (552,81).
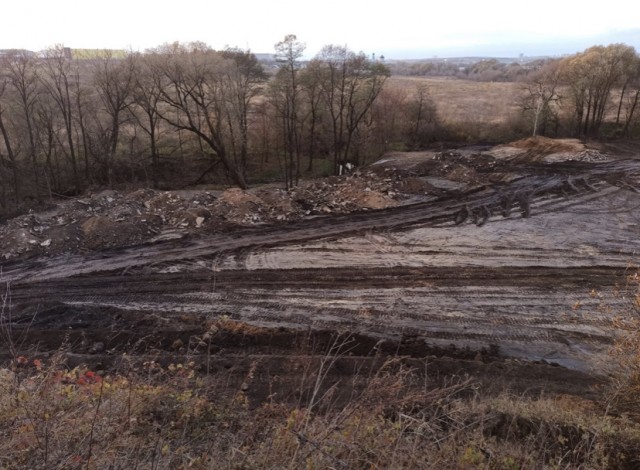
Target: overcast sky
(396,28)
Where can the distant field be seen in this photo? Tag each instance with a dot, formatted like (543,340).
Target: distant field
(99,53)
(461,101)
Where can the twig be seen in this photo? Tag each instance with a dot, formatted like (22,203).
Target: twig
(93,424)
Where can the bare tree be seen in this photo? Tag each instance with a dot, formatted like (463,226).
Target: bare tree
(350,84)
(541,93)
(631,111)
(312,94)
(629,75)
(23,77)
(45,122)
(114,80)
(243,81)
(146,95)
(285,97)
(630,96)
(422,117)
(264,132)
(57,78)
(591,75)
(195,92)
(12,163)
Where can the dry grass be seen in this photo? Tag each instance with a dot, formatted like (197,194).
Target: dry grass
(174,417)
(624,391)
(178,417)
(464,101)
(492,110)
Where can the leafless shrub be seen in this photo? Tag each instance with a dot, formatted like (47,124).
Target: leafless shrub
(13,339)
(385,415)
(623,392)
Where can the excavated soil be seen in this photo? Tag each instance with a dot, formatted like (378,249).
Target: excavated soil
(500,263)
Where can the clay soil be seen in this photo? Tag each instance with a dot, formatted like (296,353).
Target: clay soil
(506,264)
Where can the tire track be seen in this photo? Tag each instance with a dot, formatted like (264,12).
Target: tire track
(530,190)
(503,281)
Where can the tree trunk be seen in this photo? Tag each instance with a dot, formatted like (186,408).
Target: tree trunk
(3,187)
(624,87)
(155,161)
(625,131)
(12,159)
(85,145)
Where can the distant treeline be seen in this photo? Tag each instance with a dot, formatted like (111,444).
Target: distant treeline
(484,70)
(185,113)
(592,94)
(188,114)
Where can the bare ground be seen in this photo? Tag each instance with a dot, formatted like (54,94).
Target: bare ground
(500,263)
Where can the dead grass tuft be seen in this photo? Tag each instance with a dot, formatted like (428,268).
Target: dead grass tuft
(174,417)
(623,394)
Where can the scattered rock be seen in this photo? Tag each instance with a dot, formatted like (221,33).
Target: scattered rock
(118,218)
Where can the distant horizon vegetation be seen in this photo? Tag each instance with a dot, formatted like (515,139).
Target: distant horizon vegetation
(91,53)
(534,49)
(261,55)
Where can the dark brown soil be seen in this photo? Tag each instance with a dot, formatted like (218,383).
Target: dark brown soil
(505,270)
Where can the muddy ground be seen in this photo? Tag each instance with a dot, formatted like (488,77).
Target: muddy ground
(506,263)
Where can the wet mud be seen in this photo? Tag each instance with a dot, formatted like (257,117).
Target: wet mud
(517,277)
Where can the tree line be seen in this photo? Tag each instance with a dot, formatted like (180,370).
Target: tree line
(570,96)
(482,70)
(68,123)
(582,94)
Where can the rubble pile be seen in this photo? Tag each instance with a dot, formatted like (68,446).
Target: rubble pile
(459,167)
(587,155)
(111,218)
(340,195)
(240,207)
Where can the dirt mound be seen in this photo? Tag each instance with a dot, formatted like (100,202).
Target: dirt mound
(104,232)
(537,149)
(103,220)
(240,207)
(21,240)
(545,145)
(347,194)
(111,218)
(278,204)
